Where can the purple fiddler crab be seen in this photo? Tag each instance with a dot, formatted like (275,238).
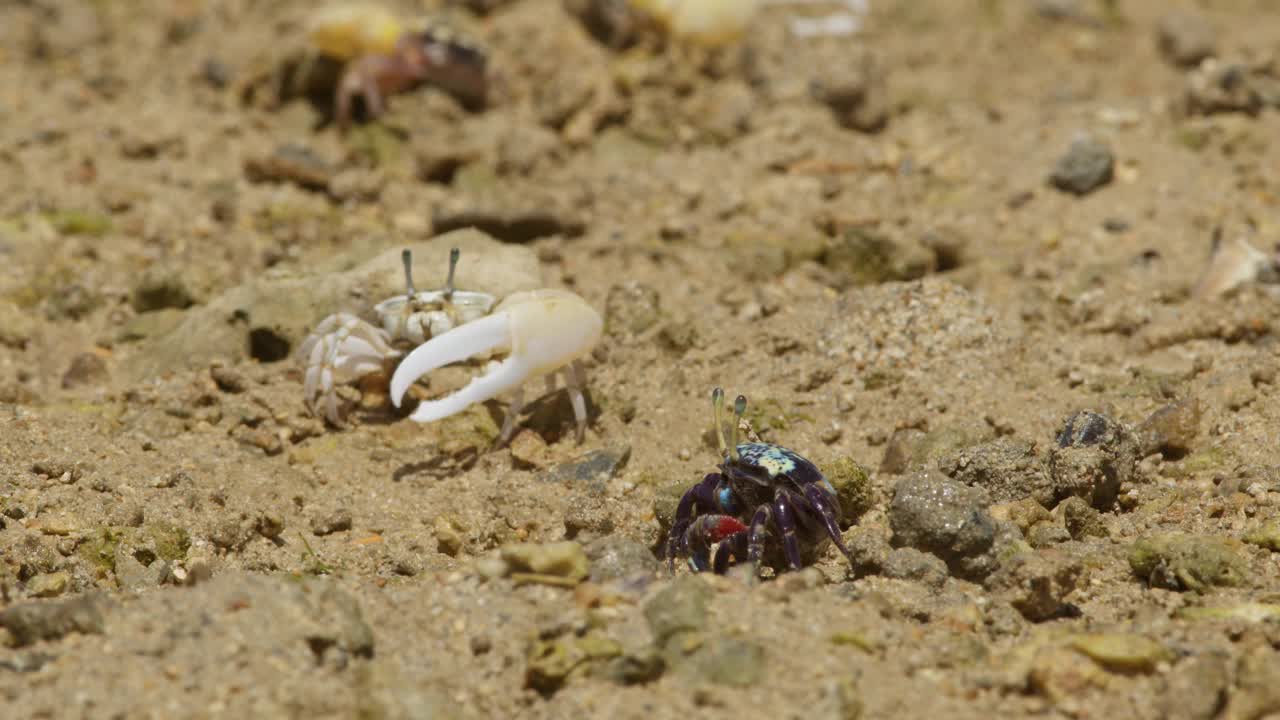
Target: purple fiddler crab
(761,490)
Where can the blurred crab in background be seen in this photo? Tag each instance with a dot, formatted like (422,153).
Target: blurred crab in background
(761,489)
(537,333)
(365,51)
(713,23)
(343,347)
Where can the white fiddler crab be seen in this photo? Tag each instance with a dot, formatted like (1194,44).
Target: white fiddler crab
(344,347)
(531,334)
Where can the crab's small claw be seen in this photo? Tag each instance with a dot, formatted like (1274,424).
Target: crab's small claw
(541,331)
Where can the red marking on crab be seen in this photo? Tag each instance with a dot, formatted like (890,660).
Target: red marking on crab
(725,527)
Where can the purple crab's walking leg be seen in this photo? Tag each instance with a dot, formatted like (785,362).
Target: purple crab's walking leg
(825,507)
(758,532)
(731,548)
(698,497)
(785,517)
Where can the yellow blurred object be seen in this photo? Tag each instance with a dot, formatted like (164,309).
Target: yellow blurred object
(706,22)
(344,32)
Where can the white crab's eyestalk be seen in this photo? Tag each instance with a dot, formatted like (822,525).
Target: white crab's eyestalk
(406,257)
(454,255)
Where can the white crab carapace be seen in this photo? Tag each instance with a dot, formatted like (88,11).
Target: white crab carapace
(540,332)
(344,347)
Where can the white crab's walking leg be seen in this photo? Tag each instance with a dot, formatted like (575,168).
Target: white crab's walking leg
(576,379)
(513,412)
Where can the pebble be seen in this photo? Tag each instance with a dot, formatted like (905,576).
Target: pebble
(1122,652)
(1180,561)
(1185,39)
(593,470)
(1087,165)
(565,560)
(331,522)
(933,513)
(87,368)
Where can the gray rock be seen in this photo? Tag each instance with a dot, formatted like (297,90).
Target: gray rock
(1082,520)
(34,621)
(910,564)
(1094,456)
(679,608)
(1008,469)
(162,288)
(1196,688)
(1223,86)
(1087,165)
(935,514)
(617,558)
(1185,39)
(591,471)
(1036,583)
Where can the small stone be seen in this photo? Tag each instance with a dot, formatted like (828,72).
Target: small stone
(290,163)
(228,534)
(614,557)
(1185,39)
(1122,652)
(1082,520)
(854,89)
(1008,469)
(1171,429)
(559,559)
(48,585)
(1178,561)
(936,514)
(1046,534)
(1061,674)
(1093,457)
(86,368)
(262,438)
(228,380)
(1087,166)
(162,288)
(529,450)
(1222,86)
(269,525)
(592,471)
(912,564)
(1266,536)
(853,486)
(331,522)
(448,534)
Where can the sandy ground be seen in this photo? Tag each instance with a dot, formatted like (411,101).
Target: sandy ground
(874,238)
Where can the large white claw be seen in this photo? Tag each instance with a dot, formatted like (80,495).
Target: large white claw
(542,330)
